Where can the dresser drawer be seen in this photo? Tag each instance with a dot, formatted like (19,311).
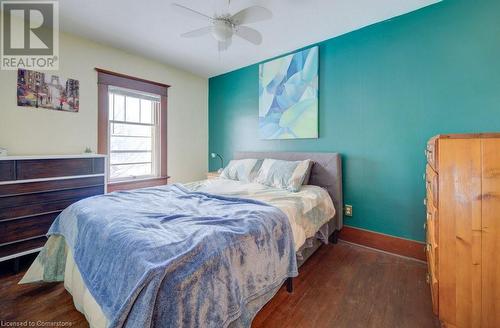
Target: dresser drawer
(431,186)
(431,224)
(51,168)
(34,209)
(432,278)
(434,287)
(431,251)
(7,170)
(9,203)
(431,153)
(24,228)
(16,189)
(432,267)
(26,246)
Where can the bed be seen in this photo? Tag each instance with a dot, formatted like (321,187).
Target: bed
(326,173)
(222,278)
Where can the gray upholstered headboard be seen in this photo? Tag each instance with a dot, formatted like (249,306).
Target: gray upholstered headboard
(326,172)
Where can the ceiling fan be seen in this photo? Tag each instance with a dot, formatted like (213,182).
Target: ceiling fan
(224,26)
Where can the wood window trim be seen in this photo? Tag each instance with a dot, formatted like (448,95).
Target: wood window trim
(106,78)
(105,75)
(140,183)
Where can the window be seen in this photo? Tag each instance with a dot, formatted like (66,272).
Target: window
(132,125)
(133,134)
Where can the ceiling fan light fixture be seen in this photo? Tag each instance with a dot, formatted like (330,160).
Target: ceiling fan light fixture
(222,30)
(223,27)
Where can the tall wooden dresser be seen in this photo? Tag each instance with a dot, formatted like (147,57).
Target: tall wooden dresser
(34,190)
(463,228)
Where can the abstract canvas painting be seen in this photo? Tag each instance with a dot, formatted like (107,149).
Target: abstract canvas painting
(43,90)
(288,96)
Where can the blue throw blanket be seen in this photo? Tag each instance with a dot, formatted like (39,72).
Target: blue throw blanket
(169,257)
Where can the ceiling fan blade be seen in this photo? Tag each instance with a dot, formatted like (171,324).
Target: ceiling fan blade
(190,12)
(249,34)
(223,46)
(251,15)
(198,32)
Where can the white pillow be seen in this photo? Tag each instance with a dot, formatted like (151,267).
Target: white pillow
(242,170)
(287,175)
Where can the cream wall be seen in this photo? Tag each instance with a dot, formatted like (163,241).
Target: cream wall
(26,131)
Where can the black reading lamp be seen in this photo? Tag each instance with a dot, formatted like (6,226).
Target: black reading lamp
(214,155)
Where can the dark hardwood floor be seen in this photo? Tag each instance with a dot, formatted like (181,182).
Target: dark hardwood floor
(345,285)
(342,285)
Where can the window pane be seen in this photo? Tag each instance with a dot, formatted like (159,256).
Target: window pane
(119,108)
(133,114)
(131,130)
(130,143)
(146,112)
(134,170)
(120,158)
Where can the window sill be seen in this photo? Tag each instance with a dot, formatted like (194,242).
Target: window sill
(136,184)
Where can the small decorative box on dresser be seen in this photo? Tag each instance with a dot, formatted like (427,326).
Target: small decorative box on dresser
(463,228)
(34,190)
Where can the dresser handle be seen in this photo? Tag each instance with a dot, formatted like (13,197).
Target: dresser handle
(423,176)
(429,216)
(425,225)
(428,278)
(425,201)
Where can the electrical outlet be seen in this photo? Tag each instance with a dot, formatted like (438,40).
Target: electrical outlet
(348,210)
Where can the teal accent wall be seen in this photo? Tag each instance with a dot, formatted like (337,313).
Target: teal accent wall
(384,91)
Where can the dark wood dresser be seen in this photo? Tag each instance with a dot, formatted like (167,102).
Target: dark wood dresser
(34,190)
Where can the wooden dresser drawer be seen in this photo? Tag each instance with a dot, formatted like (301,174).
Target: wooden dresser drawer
(431,153)
(51,168)
(27,227)
(10,250)
(6,203)
(432,251)
(433,284)
(431,233)
(33,209)
(432,278)
(432,227)
(431,186)
(16,189)
(7,170)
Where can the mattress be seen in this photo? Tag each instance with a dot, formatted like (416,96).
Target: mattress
(307,210)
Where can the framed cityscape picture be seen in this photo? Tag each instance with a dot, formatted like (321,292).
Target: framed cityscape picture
(288,96)
(44,90)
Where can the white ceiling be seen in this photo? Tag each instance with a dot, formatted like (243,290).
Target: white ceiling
(151,28)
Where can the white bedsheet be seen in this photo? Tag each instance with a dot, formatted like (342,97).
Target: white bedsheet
(307,210)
